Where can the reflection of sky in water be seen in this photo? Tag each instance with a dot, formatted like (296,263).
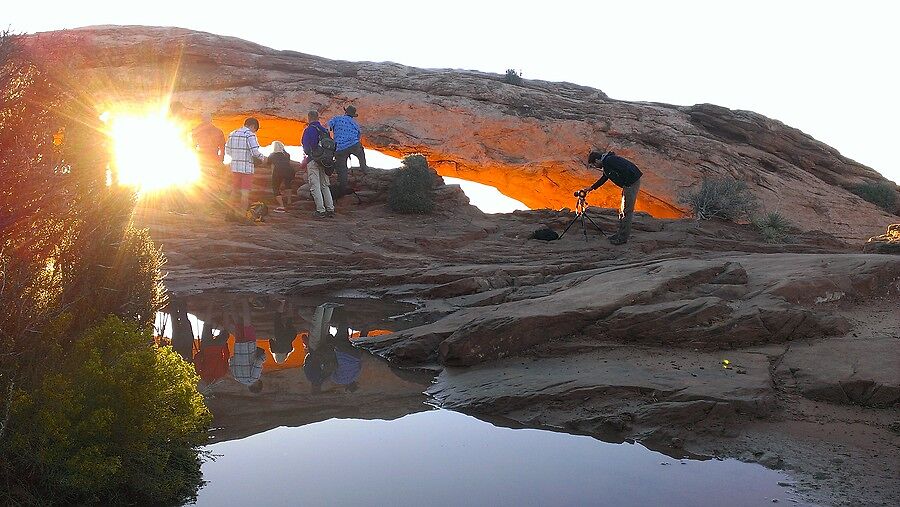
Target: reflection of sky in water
(163,323)
(487,198)
(440,458)
(162,326)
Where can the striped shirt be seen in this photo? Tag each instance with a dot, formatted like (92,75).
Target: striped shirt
(246,364)
(242,146)
(346,131)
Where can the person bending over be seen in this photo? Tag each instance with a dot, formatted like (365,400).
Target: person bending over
(624,174)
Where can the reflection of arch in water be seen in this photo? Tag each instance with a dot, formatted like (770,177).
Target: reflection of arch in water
(372,332)
(294,360)
(363,314)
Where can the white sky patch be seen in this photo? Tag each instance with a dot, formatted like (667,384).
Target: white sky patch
(163,322)
(487,198)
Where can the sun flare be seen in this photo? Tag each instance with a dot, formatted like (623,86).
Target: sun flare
(152,151)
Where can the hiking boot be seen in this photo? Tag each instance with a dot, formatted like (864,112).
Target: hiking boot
(330,213)
(615,239)
(320,214)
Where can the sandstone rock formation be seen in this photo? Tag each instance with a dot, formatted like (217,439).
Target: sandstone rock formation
(528,140)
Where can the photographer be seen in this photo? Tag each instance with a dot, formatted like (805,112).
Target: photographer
(624,174)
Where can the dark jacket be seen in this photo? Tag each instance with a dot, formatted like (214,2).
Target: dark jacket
(619,170)
(281,163)
(310,138)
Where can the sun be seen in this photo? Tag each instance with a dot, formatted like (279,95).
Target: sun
(152,151)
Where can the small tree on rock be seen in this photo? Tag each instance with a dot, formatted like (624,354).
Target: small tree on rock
(412,190)
(719,198)
(881,194)
(513,77)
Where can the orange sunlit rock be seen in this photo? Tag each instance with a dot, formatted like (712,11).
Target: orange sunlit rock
(294,360)
(378,332)
(271,128)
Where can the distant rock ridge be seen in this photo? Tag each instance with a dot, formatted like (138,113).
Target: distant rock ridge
(528,140)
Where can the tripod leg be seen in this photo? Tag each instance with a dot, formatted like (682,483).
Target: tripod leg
(567,227)
(596,226)
(583,228)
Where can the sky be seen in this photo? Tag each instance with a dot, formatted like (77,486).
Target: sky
(828,68)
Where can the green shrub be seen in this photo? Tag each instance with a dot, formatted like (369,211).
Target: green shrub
(719,198)
(881,194)
(119,421)
(774,227)
(512,77)
(412,190)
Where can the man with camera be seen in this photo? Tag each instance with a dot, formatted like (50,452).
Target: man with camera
(625,175)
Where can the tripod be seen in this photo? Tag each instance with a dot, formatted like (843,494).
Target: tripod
(580,212)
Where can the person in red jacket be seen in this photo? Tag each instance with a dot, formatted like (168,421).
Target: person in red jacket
(211,361)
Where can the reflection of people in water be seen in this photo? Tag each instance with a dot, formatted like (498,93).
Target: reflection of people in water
(331,357)
(182,333)
(211,361)
(320,361)
(348,357)
(246,363)
(282,342)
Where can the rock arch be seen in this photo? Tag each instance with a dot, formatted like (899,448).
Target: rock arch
(527,140)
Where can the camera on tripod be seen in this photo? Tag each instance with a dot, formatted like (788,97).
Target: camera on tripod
(581,206)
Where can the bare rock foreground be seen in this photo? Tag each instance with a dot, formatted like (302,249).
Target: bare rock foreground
(622,343)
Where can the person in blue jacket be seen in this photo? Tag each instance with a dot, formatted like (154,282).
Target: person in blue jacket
(347,138)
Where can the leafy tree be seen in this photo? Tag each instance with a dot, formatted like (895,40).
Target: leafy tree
(117,420)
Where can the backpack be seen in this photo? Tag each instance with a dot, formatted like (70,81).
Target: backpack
(323,152)
(545,234)
(257,212)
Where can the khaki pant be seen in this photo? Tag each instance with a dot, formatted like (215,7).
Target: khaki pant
(319,187)
(626,209)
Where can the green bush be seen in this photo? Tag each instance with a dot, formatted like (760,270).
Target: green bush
(119,421)
(719,198)
(774,227)
(412,190)
(512,77)
(881,194)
